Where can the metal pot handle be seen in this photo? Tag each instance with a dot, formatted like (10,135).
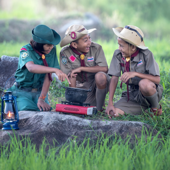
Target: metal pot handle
(89,90)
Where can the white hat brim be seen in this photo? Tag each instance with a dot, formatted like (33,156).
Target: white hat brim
(118,34)
(67,39)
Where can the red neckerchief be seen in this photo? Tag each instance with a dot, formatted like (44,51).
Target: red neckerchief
(127,69)
(81,60)
(44,61)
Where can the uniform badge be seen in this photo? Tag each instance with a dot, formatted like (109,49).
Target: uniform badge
(140,63)
(89,59)
(23,49)
(72,58)
(24,55)
(127,59)
(82,56)
(64,60)
(73,35)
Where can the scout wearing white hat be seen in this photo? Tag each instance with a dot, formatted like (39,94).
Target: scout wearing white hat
(71,59)
(73,33)
(132,35)
(140,63)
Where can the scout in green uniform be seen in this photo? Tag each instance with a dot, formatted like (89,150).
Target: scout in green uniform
(140,72)
(85,64)
(36,63)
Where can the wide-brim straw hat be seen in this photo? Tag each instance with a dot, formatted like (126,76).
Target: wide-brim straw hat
(73,33)
(44,35)
(132,35)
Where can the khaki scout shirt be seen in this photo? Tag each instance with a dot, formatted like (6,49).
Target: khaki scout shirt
(33,80)
(143,63)
(70,61)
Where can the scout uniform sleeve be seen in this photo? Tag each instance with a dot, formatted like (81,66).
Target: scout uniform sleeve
(115,68)
(64,63)
(25,57)
(151,65)
(100,57)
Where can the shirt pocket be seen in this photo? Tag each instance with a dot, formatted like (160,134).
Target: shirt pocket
(90,61)
(75,63)
(140,68)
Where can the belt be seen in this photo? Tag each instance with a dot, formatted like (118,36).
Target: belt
(27,89)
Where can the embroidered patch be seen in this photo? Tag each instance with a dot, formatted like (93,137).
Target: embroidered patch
(64,60)
(73,35)
(89,59)
(23,49)
(72,58)
(24,55)
(140,63)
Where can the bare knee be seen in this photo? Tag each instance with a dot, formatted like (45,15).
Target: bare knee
(100,80)
(147,87)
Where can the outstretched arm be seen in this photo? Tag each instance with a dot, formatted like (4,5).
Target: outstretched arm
(112,89)
(42,105)
(35,68)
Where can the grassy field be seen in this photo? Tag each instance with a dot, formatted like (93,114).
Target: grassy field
(159,48)
(150,153)
(107,153)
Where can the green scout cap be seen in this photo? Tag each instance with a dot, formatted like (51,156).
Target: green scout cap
(44,35)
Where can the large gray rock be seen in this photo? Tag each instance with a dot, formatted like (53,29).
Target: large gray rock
(8,66)
(60,128)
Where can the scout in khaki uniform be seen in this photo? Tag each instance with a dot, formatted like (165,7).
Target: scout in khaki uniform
(36,63)
(140,72)
(85,64)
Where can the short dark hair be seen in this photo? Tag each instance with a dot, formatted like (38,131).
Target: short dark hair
(37,46)
(76,41)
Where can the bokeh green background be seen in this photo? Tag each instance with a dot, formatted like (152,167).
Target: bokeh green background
(152,16)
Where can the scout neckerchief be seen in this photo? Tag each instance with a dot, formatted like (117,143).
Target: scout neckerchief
(82,56)
(127,69)
(44,61)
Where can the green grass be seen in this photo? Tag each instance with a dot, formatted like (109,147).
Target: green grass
(160,49)
(107,153)
(10,48)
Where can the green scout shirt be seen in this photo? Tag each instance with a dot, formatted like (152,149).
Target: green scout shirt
(33,80)
(70,61)
(143,63)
